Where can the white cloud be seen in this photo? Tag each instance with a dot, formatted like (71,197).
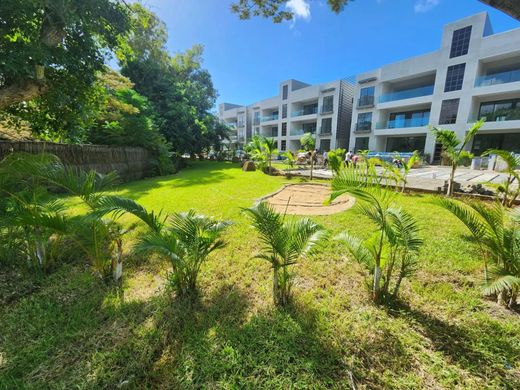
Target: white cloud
(300,8)
(422,6)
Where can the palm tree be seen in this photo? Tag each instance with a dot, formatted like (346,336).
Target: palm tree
(186,242)
(269,149)
(512,162)
(308,144)
(395,240)
(336,159)
(499,243)
(255,148)
(453,148)
(284,244)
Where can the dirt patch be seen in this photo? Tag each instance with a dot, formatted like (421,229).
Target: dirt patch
(307,199)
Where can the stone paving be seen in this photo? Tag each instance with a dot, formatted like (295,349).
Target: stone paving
(428,178)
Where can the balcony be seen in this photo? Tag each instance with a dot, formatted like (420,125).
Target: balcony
(498,78)
(267,118)
(305,111)
(404,123)
(299,132)
(233,125)
(500,116)
(363,127)
(326,110)
(407,94)
(366,101)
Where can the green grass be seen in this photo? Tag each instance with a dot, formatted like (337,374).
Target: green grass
(70,330)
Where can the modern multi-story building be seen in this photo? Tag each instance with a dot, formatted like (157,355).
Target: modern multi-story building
(475,74)
(322,109)
(238,119)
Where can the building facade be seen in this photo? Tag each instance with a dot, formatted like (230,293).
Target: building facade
(475,74)
(238,119)
(324,110)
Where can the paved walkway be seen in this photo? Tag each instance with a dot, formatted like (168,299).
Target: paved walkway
(428,178)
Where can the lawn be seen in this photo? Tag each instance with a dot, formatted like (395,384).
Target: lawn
(71,330)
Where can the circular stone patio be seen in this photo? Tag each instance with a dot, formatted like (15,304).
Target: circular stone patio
(307,199)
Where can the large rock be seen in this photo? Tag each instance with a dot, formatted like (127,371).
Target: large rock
(249,166)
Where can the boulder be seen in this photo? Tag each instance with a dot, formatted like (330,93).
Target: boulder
(249,166)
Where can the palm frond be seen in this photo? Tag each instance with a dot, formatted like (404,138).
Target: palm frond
(357,249)
(467,215)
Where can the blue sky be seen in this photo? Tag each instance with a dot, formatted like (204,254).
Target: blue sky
(248,59)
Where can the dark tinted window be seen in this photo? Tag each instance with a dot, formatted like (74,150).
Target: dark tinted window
(284,129)
(284,110)
(449,111)
(366,96)
(285,92)
(454,77)
(361,144)
(501,110)
(460,42)
(328,104)
(284,145)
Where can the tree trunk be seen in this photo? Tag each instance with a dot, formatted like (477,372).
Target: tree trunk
(377,281)
(117,261)
(451,181)
(276,287)
(16,93)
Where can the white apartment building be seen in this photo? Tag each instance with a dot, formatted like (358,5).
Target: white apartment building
(475,74)
(238,119)
(322,109)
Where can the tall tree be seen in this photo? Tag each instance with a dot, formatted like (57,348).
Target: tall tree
(45,43)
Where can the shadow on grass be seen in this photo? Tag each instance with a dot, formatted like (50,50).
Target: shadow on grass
(484,347)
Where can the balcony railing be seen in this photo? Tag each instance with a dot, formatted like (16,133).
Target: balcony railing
(366,101)
(305,111)
(407,94)
(231,124)
(498,78)
(267,118)
(326,110)
(403,123)
(295,132)
(501,115)
(364,127)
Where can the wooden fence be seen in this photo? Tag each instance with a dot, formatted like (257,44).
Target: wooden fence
(131,163)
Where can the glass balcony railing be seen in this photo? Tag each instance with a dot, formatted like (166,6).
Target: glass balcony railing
(366,101)
(407,94)
(363,127)
(268,118)
(403,123)
(231,124)
(498,78)
(305,111)
(301,131)
(501,115)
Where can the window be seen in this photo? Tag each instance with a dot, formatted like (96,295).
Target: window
(502,110)
(284,129)
(284,111)
(405,144)
(256,119)
(285,92)
(505,141)
(326,126)
(257,130)
(449,109)
(454,77)
(274,131)
(366,96)
(460,42)
(364,121)
(284,145)
(328,104)
(361,144)
(325,145)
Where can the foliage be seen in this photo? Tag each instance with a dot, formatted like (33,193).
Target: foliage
(262,149)
(499,243)
(56,47)
(289,158)
(453,148)
(180,90)
(186,242)
(509,193)
(400,175)
(395,243)
(284,244)
(308,143)
(336,158)
(272,9)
